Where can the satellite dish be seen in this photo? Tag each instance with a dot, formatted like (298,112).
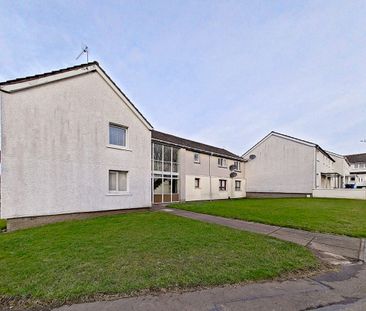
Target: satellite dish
(252,157)
(232,167)
(233,174)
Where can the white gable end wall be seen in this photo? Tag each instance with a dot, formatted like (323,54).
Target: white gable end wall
(281,165)
(55,154)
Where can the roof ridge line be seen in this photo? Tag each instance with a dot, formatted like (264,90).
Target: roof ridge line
(47,73)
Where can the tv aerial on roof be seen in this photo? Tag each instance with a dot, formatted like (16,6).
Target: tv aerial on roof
(84,50)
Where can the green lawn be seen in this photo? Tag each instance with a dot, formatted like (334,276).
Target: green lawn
(2,224)
(125,254)
(339,216)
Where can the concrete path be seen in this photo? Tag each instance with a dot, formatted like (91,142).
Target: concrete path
(333,248)
(343,290)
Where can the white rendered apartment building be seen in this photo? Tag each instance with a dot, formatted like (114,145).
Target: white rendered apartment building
(358,169)
(71,143)
(284,165)
(185,170)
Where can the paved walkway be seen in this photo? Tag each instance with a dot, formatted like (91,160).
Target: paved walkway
(343,290)
(333,248)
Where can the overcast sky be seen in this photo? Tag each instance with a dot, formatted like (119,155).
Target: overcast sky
(221,72)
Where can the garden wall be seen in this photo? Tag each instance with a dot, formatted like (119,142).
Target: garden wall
(340,193)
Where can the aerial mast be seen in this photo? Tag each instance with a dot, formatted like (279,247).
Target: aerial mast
(84,50)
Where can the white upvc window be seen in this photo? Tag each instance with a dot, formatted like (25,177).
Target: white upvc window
(117,135)
(237,185)
(196,183)
(237,165)
(118,181)
(196,158)
(221,162)
(222,184)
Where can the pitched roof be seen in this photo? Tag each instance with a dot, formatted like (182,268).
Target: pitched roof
(336,155)
(69,69)
(193,145)
(46,74)
(355,158)
(309,143)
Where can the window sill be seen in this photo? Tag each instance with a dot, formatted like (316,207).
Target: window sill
(195,162)
(118,194)
(221,166)
(118,147)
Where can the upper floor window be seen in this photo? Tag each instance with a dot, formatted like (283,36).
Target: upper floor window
(165,158)
(117,181)
(117,135)
(360,165)
(196,158)
(221,162)
(237,165)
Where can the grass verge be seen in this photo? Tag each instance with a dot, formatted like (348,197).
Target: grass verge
(2,224)
(338,216)
(126,254)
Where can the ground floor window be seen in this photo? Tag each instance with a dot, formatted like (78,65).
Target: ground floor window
(222,184)
(196,182)
(117,181)
(165,188)
(237,185)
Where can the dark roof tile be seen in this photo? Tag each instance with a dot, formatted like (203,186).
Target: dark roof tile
(46,74)
(193,145)
(355,158)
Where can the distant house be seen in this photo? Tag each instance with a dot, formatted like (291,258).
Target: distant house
(185,170)
(283,165)
(358,169)
(72,143)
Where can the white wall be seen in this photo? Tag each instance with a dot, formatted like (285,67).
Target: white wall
(192,170)
(340,193)
(325,165)
(55,157)
(281,165)
(203,192)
